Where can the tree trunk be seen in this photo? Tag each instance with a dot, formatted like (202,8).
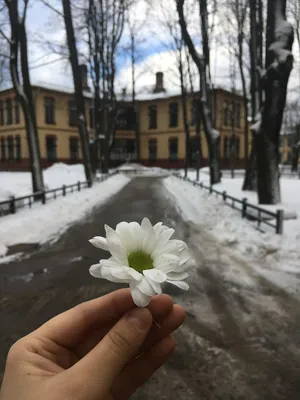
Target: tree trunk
(185,115)
(250,181)
(24,93)
(212,136)
(134,104)
(77,78)
(279,63)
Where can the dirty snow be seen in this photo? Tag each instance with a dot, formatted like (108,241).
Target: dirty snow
(275,256)
(48,222)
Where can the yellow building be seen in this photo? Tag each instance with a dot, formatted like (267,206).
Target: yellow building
(162,138)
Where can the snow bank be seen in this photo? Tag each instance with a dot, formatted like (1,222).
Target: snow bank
(19,183)
(49,222)
(276,252)
(290,193)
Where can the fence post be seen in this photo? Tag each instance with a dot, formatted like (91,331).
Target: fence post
(78,184)
(89,184)
(43,197)
(210,189)
(12,205)
(244,207)
(224,195)
(279,222)
(64,190)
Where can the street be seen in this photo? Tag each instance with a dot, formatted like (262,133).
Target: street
(241,336)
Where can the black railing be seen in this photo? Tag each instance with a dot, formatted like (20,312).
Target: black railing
(15,203)
(248,210)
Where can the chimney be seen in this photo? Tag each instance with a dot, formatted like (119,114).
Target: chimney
(159,85)
(84,77)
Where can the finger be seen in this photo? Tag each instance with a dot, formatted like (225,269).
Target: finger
(160,307)
(102,365)
(166,326)
(68,328)
(140,370)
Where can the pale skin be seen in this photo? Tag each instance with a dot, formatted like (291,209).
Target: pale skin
(103,349)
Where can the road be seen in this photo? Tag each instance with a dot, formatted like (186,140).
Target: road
(241,336)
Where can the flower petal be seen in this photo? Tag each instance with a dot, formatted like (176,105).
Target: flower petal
(124,231)
(184,256)
(164,236)
(144,286)
(120,273)
(182,285)
(101,271)
(137,235)
(155,275)
(110,262)
(99,242)
(187,266)
(137,276)
(155,285)
(173,276)
(149,240)
(139,298)
(115,246)
(166,262)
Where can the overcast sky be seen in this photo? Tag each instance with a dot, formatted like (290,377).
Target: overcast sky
(155,54)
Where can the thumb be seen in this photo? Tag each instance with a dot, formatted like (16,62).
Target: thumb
(100,367)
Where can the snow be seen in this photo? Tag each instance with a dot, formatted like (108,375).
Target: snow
(273,256)
(290,194)
(46,223)
(59,174)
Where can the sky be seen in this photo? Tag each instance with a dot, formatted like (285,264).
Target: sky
(155,53)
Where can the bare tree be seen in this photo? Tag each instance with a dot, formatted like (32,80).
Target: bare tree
(105,24)
(78,86)
(19,70)
(202,63)
(279,63)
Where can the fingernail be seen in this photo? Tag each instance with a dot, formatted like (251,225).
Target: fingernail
(140,317)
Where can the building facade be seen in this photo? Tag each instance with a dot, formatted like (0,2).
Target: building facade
(161,128)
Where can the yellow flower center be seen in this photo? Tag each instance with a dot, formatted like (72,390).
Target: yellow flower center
(140,261)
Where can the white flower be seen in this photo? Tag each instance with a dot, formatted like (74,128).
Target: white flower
(143,256)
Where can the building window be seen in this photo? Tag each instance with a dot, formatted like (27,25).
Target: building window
(226,113)
(152,117)
(238,114)
(10,148)
(3,149)
(72,113)
(173,149)
(152,149)
(225,148)
(51,148)
(9,112)
(49,103)
(173,115)
(74,148)
(1,113)
(17,111)
(18,148)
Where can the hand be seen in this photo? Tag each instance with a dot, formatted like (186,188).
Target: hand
(103,349)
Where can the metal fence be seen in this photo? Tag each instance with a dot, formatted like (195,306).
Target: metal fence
(248,210)
(12,205)
(284,172)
